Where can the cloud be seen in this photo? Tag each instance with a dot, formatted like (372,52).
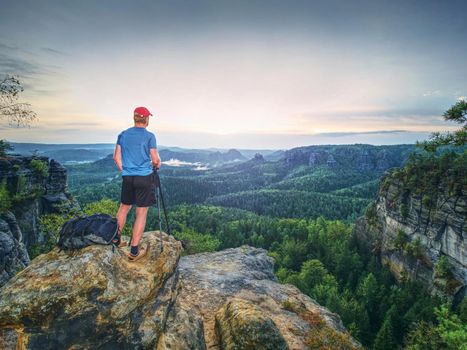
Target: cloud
(349,133)
(80,124)
(54,51)
(432,93)
(18,66)
(462,98)
(376,112)
(19,61)
(4,46)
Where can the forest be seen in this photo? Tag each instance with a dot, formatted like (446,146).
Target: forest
(304,216)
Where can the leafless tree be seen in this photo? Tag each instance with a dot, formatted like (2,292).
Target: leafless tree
(17,113)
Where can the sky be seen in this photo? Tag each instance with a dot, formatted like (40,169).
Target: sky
(236,74)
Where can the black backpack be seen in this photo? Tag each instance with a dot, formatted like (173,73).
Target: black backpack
(86,230)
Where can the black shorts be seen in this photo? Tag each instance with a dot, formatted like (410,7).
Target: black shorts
(139,190)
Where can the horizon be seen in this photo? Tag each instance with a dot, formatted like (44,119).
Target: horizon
(214,149)
(244,74)
(264,141)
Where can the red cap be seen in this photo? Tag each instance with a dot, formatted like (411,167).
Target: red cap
(142,111)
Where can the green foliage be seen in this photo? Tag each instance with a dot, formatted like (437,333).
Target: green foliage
(294,204)
(4,148)
(401,240)
(22,192)
(40,168)
(50,226)
(322,259)
(25,190)
(426,200)
(424,337)
(404,210)
(431,172)
(451,329)
(5,201)
(385,339)
(21,184)
(197,242)
(312,274)
(337,192)
(443,267)
(295,212)
(415,248)
(370,213)
(104,206)
(456,113)
(449,332)
(462,307)
(362,190)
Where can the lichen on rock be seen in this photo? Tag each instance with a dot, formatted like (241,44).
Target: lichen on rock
(242,325)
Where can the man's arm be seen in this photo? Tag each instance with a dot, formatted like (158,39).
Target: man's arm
(118,157)
(156,160)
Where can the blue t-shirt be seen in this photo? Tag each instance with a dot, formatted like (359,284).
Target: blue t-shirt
(135,144)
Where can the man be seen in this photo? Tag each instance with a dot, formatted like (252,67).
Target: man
(135,156)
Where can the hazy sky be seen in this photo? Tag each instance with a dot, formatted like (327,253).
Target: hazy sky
(245,74)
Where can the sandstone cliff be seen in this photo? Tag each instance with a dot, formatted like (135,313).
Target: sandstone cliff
(416,231)
(349,157)
(36,186)
(13,254)
(95,299)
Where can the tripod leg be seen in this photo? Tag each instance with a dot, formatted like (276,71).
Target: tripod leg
(165,211)
(160,220)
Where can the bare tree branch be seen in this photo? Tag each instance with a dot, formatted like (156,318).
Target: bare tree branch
(18,114)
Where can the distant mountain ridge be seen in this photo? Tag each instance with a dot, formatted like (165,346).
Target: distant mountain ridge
(341,179)
(73,153)
(362,157)
(206,158)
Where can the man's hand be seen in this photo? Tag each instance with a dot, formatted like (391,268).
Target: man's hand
(118,157)
(156,160)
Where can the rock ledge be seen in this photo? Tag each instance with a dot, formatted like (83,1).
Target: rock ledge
(95,299)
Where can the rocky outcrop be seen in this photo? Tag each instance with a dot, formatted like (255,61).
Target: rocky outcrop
(56,197)
(349,157)
(91,298)
(412,230)
(13,254)
(95,298)
(38,186)
(232,300)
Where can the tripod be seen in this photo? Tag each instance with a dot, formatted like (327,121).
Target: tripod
(160,200)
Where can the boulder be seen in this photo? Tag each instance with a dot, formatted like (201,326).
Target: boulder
(94,298)
(90,298)
(231,300)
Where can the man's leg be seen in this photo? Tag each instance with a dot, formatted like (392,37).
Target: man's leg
(138,227)
(144,195)
(122,214)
